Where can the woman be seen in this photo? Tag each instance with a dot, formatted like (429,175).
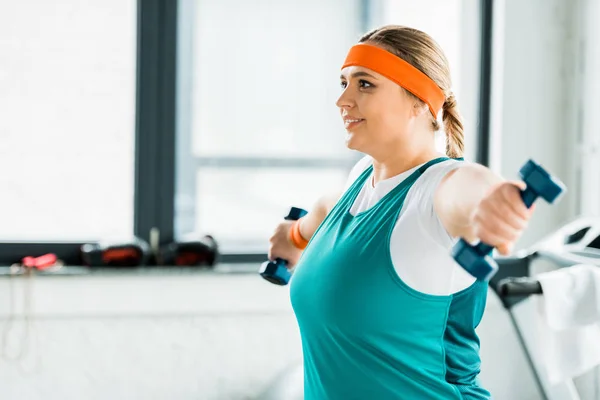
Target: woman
(384,311)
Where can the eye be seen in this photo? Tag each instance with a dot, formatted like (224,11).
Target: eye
(343,84)
(365,84)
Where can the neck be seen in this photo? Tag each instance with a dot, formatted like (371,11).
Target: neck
(394,162)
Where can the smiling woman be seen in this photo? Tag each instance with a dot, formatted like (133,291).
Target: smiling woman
(371,102)
(392,72)
(383,309)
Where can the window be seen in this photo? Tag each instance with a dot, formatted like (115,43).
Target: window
(67,119)
(188,116)
(263,129)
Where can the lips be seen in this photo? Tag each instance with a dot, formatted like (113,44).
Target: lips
(352,122)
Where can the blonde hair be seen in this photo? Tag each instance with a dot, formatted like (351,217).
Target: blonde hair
(422,52)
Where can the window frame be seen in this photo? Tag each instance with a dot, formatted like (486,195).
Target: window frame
(156,129)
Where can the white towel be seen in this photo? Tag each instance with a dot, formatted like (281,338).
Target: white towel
(570,321)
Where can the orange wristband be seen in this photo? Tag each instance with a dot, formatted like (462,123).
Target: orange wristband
(296,237)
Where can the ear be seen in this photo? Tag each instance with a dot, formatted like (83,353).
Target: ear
(419,108)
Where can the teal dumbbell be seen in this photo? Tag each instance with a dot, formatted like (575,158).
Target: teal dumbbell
(277,271)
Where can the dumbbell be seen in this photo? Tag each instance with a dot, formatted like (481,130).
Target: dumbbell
(476,259)
(277,271)
(132,253)
(202,251)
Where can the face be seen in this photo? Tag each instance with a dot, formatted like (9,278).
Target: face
(377,113)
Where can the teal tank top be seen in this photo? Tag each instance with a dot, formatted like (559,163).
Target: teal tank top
(365,333)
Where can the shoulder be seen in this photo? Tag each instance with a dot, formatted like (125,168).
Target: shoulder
(421,199)
(432,177)
(442,168)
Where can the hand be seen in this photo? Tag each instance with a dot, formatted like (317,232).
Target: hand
(282,246)
(501,216)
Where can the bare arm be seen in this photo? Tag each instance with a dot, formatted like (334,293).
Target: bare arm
(282,245)
(459,194)
(475,203)
(313,219)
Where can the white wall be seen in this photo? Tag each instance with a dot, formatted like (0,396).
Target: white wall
(536,112)
(545,107)
(588,128)
(192,336)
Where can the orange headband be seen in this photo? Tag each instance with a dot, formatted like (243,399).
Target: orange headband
(399,71)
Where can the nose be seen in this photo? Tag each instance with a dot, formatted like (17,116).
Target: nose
(346,100)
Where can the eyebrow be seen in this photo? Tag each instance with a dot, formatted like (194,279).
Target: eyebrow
(359,74)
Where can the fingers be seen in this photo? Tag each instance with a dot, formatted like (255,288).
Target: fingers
(495,222)
(511,191)
(281,246)
(519,184)
(492,230)
(504,215)
(505,249)
(501,216)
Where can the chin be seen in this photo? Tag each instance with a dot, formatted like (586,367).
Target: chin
(352,142)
